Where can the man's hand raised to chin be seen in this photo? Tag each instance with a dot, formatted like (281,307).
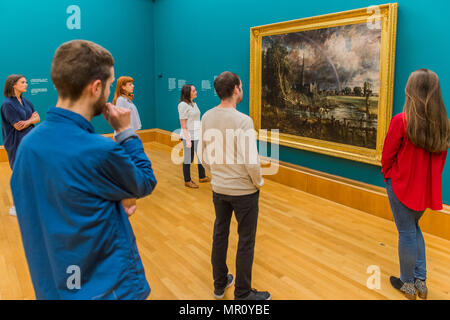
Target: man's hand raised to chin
(119,118)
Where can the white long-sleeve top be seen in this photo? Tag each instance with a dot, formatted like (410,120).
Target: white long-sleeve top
(135,120)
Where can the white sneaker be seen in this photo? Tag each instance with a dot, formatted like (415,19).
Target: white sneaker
(12,211)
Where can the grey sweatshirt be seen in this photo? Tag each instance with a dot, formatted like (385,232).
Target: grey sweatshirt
(229,152)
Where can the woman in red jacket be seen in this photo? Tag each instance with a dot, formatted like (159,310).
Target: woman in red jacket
(413,159)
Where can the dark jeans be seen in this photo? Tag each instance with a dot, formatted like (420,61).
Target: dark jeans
(246,211)
(188,159)
(411,245)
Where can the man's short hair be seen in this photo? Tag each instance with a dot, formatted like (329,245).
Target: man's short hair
(225,83)
(76,63)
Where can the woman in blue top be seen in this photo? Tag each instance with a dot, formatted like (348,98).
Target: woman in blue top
(18,117)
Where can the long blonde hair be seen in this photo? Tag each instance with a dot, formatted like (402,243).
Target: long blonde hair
(119,92)
(428,126)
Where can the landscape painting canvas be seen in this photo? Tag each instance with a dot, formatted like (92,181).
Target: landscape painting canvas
(326,83)
(323,84)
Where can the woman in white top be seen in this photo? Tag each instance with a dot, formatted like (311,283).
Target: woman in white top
(123,97)
(190,133)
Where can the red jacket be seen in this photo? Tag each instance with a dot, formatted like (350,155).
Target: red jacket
(416,174)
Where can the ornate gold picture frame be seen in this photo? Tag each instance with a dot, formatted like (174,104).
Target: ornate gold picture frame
(326,82)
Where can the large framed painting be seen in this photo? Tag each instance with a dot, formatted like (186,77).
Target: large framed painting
(326,83)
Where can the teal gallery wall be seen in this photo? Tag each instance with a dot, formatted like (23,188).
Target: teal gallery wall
(197,40)
(31,31)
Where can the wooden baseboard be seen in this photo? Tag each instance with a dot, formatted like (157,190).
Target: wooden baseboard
(145,135)
(354,194)
(351,193)
(358,195)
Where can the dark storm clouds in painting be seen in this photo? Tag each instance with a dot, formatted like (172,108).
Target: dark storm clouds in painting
(323,84)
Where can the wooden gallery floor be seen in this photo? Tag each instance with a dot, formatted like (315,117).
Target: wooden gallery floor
(306,247)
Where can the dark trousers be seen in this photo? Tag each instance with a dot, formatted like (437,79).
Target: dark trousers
(246,211)
(188,159)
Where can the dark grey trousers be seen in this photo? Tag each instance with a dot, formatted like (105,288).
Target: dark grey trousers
(246,211)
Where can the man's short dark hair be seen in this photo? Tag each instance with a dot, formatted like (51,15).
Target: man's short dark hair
(225,83)
(76,63)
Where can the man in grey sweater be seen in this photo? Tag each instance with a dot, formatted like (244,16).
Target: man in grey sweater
(230,153)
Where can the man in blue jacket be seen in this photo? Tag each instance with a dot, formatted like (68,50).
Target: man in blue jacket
(69,187)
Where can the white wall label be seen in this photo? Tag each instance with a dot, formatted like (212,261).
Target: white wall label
(206,85)
(181,83)
(172,84)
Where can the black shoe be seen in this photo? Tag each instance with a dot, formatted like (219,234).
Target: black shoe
(407,289)
(256,295)
(219,293)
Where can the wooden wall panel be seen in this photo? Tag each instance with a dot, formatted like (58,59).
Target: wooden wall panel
(354,194)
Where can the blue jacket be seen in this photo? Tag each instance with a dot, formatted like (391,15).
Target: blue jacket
(67,186)
(12,112)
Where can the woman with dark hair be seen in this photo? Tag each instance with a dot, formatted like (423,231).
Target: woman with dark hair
(18,117)
(189,115)
(414,154)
